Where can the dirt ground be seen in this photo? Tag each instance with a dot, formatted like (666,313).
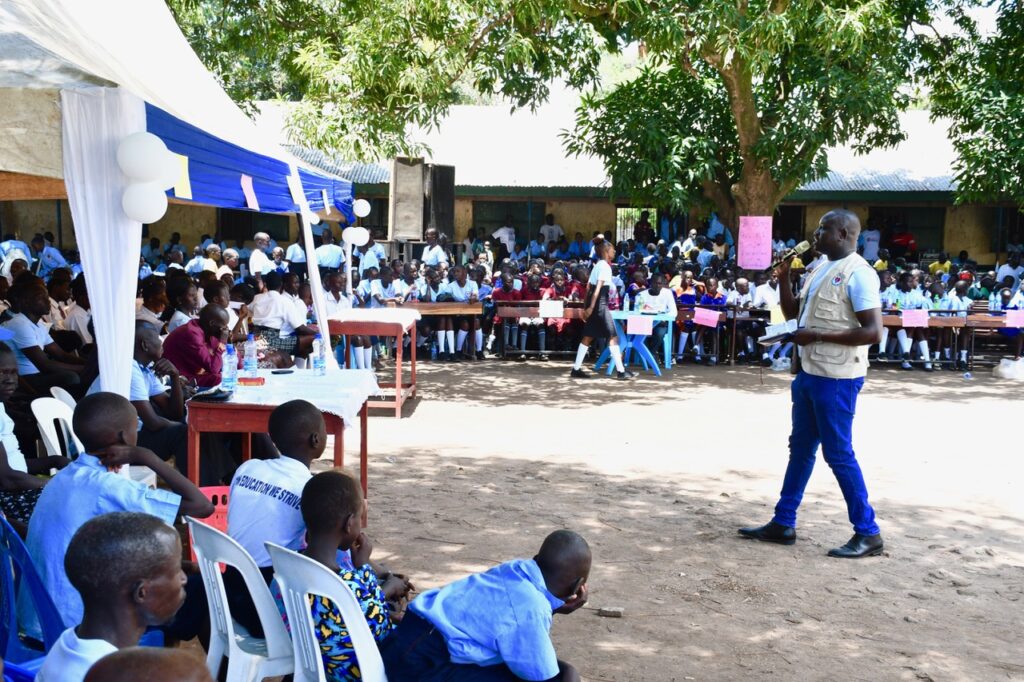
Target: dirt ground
(657,474)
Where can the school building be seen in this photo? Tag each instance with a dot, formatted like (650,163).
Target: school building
(514,164)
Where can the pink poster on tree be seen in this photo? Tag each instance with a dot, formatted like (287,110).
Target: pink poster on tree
(755,242)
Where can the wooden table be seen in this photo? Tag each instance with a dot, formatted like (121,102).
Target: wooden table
(403,390)
(513,310)
(249,419)
(450,309)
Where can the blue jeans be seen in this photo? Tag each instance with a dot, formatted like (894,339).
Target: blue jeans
(823,412)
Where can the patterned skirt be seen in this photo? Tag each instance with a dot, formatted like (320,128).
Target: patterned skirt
(275,341)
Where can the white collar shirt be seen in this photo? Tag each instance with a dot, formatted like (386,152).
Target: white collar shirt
(265,496)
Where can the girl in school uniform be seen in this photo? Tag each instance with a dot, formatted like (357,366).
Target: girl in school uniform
(184,298)
(597,315)
(464,290)
(435,291)
(505,291)
(687,295)
(558,327)
(712,296)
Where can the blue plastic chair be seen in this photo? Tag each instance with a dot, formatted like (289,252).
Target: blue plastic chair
(18,576)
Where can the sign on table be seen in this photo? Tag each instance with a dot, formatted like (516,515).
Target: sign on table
(705,317)
(551,309)
(639,324)
(914,318)
(755,244)
(1014,318)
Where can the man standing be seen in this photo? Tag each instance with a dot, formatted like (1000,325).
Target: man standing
(839,315)
(549,231)
(506,234)
(259,263)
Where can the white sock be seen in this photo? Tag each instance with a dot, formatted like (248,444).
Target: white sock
(683,336)
(460,339)
(581,355)
(947,353)
(368,358)
(923,347)
(357,357)
(963,356)
(772,350)
(300,363)
(617,357)
(440,342)
(490,341)
(905,342)
(450,335)
(885,340)
(785,349)
(479,340)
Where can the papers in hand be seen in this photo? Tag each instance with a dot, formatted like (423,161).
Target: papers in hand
(776,333)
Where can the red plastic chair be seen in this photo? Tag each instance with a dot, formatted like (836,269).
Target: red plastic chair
(218,494)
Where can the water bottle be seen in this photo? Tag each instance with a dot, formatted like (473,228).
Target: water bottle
(250,362)
(433,351)
(229,369)
(319,359)
(968,376)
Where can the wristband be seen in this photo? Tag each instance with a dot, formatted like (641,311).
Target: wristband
(819,337)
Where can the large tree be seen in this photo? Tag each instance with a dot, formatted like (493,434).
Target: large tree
(977,82)
(733,106)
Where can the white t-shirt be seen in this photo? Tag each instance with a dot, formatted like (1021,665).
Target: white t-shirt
(77,320)
(462,293)
(295,254)
(273,310)
(434,255)
(872,239)
(377,288)
(70,658)
(664,302)
(15,458)
(765,296)
(259,263)
(330,256)
(265,495)
(601,272)
(737,299)
(26,335)
(335,305)
(551,233)
(371,257)
(507,236)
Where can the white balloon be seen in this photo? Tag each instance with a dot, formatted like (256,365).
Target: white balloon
(144,201)
(348,235)
(140,156)
(170,171)
(361,207)
(360,235)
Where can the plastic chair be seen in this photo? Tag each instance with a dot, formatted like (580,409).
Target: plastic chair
(249,658)
(48,413)
(63,396)
(18,576)
(300,576)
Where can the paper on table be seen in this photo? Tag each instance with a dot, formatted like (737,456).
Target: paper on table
(250,193)
(552,309)
(1014,318)
(914,318)
(755,244)
(705,317)
(183,185)
(777,316)
(640,324)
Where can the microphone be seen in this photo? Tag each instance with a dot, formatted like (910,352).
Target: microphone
(790,254)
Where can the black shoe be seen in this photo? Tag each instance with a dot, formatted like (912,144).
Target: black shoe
(456,357)
(479,355)
(579,374)
(771,532)
(625,376)
(859,546)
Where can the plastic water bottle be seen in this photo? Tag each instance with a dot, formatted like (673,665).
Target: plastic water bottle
(229,370)
(319,358)
(433,351)
(968,376)
(250,362)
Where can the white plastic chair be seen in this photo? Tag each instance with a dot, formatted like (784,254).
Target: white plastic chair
(300,576)
(62,408)
(63,396)
(249,658)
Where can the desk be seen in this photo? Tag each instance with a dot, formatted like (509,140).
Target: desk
(387,322)
(450,309)
(636,342)
(513,310)
(341,395)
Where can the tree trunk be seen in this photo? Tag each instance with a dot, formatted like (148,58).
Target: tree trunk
(756,194)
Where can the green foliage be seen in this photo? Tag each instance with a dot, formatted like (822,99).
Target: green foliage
(977,84)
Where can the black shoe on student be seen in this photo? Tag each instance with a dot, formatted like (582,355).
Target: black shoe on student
(859,546)
(771,532)
(625,376)
(579,374)
(479,355)
(456,357)
(543,357)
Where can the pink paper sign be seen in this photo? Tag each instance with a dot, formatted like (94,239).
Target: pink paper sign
(1014,318)
(639,324)
(705,317)
(755,247)
(914,318)
(250,193)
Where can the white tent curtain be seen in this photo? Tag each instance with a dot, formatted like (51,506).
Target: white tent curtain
(94,121)
(316,286)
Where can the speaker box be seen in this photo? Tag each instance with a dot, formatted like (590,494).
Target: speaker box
(407,205)
(440,194)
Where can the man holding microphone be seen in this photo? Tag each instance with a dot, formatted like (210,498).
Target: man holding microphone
(839,315)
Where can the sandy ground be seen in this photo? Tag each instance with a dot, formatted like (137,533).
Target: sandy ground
(658,474)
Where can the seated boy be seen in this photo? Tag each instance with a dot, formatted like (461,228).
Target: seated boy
(150,664)
(127,568)
(20,488)
(106,424)
(332,508)
(265,496)
(494,625)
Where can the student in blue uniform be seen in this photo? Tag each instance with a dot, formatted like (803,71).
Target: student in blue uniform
(494,625)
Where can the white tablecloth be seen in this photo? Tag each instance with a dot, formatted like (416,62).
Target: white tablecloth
(341,392)
(402,316)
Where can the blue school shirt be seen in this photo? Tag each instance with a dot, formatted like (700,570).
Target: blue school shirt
(500,616)
(82,491)
(50,259)
(537,249)
(577,249)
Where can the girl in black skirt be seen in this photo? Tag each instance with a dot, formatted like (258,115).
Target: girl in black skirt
(598,317)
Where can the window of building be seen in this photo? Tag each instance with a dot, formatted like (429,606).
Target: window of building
(526,216)
(626,218)
(789,220)
(242,225)
(926,223)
